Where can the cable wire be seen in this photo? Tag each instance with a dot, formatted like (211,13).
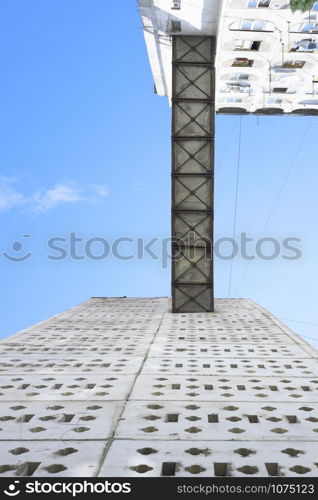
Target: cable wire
(236,197)
(298,321)
(226,146)
(279,194)
(306,337)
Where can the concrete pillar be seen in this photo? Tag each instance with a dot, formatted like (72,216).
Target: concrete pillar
(192,173)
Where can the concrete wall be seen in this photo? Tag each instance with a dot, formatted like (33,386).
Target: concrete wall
(122,387)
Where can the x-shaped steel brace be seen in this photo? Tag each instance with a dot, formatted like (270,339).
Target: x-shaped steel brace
(193,228)
(191,156)
(192,119)
(193,264)
(193,299)
(193,192)
(192,82)
(193,48)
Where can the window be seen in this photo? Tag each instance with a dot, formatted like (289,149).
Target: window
(236,88)
(246,25)
(293,64)
(311,102)
(247,45)
(176,26)
(305,45)
(305,27)
(235,100)
(315,6)
(242,45)
(253,4)
(258,25)
(176,5)
(309,28)
(274,101)
(242,62)
(239,76)
(279,90)
(252,25)
(255,45)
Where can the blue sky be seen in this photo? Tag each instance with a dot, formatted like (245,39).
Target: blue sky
(85,149)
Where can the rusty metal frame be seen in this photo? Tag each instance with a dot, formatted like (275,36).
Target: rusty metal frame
(193,110)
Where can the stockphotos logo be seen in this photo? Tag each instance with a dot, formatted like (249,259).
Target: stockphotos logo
(74,489)
(12,490)
(98,248)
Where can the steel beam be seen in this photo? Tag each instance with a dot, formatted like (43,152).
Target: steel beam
(193,109)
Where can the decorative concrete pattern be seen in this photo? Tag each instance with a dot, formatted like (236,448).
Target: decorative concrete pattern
(206,459)
(68,366)
(59,420)
(56,458)
(226,366)
(122,387)
(207,388)
(218,421)
(200,350)
(65,387)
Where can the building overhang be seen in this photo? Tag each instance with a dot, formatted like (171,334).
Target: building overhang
(266,56)
(161,20)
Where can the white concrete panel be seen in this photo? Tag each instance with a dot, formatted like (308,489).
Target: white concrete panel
(69,366)
(50,459)
(208,388)
(89,349)
(65,387)
(218,421)
(261,367)
(58,420)
(192,336)
(204,349)
(209,459)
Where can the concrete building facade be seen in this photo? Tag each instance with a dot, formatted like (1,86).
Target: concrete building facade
(123,387)
(266,55)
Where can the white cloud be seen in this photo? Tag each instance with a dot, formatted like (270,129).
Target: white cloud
(10,198)
(47,199)
(61,193)
(101,190)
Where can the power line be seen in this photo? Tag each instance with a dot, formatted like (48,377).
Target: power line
(306,337)
(302,322)
(287,176)
(236,196)
(298,321)
(226,146)
(279,194)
